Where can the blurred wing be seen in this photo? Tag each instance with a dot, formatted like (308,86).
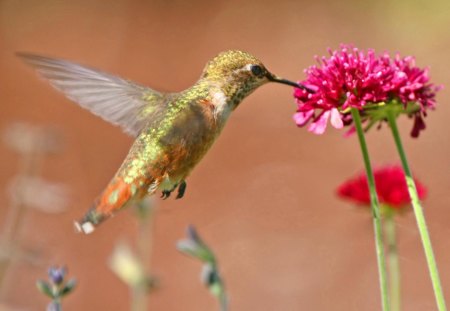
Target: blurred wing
(116,100)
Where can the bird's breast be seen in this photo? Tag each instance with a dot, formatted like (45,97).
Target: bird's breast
(192,134)
(172,148)
(221,107)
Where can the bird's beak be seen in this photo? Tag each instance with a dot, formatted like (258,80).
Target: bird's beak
(274,78)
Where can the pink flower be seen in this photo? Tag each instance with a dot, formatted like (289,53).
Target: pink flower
(353,78)
(390,184)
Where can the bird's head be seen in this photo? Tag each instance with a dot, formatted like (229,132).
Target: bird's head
(239,73)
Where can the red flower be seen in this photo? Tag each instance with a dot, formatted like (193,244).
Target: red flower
(390,184)
(352,78)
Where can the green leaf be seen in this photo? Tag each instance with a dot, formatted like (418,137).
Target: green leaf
(68,287)
(44,287)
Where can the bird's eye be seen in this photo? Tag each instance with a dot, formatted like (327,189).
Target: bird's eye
(256,70)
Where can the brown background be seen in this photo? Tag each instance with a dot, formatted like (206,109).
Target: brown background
(263,198)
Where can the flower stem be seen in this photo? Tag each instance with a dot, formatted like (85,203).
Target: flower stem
(140,293)
(31,163)
(223,300)
(375,212)
(420,218)
(393,262)
(55,305)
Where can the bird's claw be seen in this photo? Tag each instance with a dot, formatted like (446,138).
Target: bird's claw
(181,190)
(165,194)
(180,193)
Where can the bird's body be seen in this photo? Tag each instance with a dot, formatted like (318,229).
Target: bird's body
(164,153)
(173,131)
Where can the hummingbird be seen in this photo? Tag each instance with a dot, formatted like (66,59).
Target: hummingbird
(173,131)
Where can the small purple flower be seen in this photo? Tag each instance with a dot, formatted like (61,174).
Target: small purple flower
(351,78)
(56,288)
(56,275)
(194,246)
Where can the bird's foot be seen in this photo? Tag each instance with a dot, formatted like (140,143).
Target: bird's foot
(180,193)
(165,194)
(181,189)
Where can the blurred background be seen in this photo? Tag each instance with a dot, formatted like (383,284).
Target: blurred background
(264,196)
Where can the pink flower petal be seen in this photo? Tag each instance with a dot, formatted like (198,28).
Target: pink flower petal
(336,120)
(302,117)
(350,132)
(320,125)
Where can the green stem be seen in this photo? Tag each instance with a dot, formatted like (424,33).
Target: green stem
(140,293)
(393,262)
(56,305)
(223,300)
(139,298)
(375,212)
(420,218)
(31,163)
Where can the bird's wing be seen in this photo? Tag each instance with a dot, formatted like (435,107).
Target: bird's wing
(121,102)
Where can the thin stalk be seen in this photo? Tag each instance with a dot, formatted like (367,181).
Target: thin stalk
(223,302)
(139,301)
(223,298)
(393,262)
(379,244)
(420,218)
(30,167)
(140,292)
(55,305)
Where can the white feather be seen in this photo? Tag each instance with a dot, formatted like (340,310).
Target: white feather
(221,107)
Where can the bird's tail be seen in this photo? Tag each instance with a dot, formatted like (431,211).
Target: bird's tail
(117,195)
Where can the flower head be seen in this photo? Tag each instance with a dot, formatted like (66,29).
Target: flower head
(390,184)
(56,287)
(194,246)
(57,275)
(351,78)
